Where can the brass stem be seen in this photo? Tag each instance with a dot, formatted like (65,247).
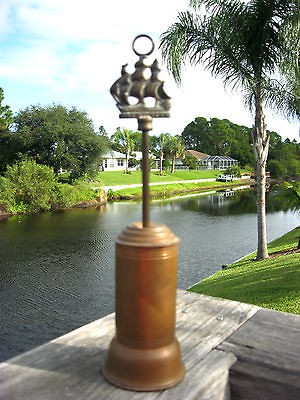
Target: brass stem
(146,165)
(145,125)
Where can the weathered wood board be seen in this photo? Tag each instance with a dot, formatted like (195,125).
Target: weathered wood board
(70,367)
(268,351)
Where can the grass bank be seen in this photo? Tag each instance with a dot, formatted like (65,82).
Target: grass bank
(272,283)
(118,178)
(168,190)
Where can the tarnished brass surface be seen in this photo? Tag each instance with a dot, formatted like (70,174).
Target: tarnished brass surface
(145,124)
(146,178)
(140,87)
(144,354)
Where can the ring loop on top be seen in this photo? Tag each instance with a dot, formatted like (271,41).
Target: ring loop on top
(143,54)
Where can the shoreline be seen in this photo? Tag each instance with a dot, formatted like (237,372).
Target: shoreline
(162,195)
(97,202)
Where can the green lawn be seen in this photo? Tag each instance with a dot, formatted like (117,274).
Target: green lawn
(273,283)
(108,178)
(115,178)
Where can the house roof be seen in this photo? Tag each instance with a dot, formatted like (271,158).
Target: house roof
(113,154)
(138,155)
(220,158)
(196,154)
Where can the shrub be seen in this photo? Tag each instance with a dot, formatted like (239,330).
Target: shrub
(191,162)
(167,166)
(62,196)
(234,170)
(81,192)
(277,169)
(133,162)
(111,195)
(31,187)
(7,192)
(34,184)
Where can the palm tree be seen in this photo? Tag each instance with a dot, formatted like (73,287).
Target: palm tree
(176,149)
(123,141)
(159,146)
(6,115)
(253,46)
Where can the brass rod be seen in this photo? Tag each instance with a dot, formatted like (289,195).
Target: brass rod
(146,168)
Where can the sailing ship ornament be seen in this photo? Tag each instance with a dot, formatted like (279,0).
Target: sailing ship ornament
(144,354)
(138,87)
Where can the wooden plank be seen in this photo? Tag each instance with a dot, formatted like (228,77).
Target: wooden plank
(207,379)
(203,322)
(70,366)
(268,349)
(257,382)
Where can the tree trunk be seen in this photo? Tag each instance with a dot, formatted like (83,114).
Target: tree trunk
(262,249)
(173,164)
(261,147)
(161,158)
(126,162)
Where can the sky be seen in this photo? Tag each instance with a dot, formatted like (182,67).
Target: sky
(70,52)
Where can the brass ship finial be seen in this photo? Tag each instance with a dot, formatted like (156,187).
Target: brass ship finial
(137,86)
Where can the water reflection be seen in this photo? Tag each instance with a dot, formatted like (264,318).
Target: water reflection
(242,202)
(57,269)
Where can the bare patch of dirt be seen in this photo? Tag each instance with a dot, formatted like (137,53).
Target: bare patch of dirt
(284,252)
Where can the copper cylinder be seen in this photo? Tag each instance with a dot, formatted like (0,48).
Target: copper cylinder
(145,355)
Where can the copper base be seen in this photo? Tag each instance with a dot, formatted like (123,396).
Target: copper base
(144,370)
(145,355)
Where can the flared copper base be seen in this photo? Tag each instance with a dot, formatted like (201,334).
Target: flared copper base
(145,355)
(144,370)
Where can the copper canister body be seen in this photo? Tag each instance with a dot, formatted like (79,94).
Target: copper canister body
(145,355)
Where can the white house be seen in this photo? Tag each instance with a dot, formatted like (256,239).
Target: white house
(218,162)
(206,161)
(113,161)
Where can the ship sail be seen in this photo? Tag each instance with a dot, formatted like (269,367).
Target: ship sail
(120,88)
(138,81)
(138,86)
(154,87)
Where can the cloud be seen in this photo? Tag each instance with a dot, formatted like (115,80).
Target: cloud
(70,20)
(86,36)
(70,52)
(4,16)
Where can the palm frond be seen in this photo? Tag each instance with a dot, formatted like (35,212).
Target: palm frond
(206,41)
(244,43)
(282,97)
(177,41)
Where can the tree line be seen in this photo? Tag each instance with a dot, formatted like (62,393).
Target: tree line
(214,137)
(165,147)
(38,143)
(61,138)
(65,139)
(225,138)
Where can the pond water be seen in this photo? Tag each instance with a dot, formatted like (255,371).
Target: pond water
(57,269)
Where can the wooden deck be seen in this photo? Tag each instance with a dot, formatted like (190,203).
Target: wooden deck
(230,350)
